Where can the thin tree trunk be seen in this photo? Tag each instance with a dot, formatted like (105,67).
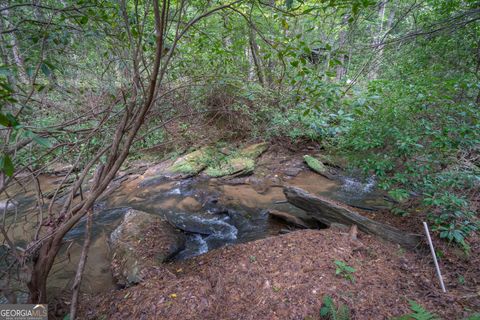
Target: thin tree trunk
(477,72)
(255,57)
(3,51)
(379,38)
(269,72)
(341,69)
(81,267)
(17,57)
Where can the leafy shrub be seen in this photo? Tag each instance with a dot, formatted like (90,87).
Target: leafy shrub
(418,313)
(330,311)
(421,143)
(344,270)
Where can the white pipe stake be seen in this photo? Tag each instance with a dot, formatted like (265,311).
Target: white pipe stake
(439,274)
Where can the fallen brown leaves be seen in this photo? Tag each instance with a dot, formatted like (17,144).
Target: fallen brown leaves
(283,277)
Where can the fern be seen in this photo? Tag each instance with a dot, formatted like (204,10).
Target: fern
(418,313)
(330,311)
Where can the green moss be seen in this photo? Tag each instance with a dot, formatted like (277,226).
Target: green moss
(315,164)
(332,160)
(239,162)
(253,151)
(193,162)
(232,166)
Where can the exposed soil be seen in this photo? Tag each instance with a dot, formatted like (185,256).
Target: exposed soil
(286,277)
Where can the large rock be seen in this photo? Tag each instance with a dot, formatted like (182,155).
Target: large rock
(235,166)
(333,160)
(142,241)
(254,151)
(318,166)
(239,163)
(192,163)
(315,164)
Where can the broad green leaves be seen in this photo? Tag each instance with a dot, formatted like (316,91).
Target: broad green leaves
(6,165)
(8,120)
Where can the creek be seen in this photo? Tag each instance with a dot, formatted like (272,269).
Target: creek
(212,212)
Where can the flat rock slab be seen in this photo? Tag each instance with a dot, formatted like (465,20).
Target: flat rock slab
(141,241)
(328,212)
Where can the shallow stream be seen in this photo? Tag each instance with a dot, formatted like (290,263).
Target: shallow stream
(216,213)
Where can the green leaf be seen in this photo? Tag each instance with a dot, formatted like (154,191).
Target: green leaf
(6,165)
(4,120)
(8,120)
(29,70)
(83,20)
(45,69)
(5,71)
(44,142)
(327,306)
(420,313)
(308,10)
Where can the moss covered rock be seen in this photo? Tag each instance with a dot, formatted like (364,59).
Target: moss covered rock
(254,151)
(315,164)
(233,166)
(238,163)
(192,163)
(333,160)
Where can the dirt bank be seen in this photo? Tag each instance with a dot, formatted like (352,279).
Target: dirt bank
(285,277)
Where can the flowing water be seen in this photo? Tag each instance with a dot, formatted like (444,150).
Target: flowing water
(213,214)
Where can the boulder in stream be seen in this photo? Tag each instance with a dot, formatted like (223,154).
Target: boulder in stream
(192,163)
(254,151)
(318,166)
(235,166)
(315,164)
(142,241)
(239,163)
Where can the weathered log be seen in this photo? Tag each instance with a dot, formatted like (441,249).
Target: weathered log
(328,212)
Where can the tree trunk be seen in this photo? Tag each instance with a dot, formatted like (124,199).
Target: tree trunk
(255,56)
(380,37)
(342,37)
(16,53)
(328,212)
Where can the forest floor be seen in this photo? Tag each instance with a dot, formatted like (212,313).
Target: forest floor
(287,277)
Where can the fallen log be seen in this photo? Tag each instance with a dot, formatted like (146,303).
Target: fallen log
(328,212)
